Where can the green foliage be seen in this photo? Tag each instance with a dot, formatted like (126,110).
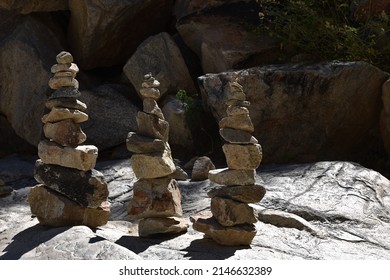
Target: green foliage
(325,29)
(191,106)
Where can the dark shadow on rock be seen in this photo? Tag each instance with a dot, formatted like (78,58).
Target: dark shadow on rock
(29,239)
(96,239)
(140,244)
(207,249)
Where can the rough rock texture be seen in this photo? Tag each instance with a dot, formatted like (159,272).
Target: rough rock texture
(26,44)
(54,209)
(118,26)
(242,156)
(88,188)
(347,203)
(155,225)
(218,36)
(385,116)
(307,112)
(201,168)
(229,212)
(153,165)
(152,126)
(111,115)
(31,6)
(160,55)
(231,177)
(142,144)
(246,194)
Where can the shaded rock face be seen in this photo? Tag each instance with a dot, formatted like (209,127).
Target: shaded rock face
(306,113)
(366,9)
(31,6)
(218,35)
(106,33)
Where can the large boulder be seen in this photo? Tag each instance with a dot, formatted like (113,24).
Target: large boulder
(307,112)
(27,51)
(31,6)
(111,115)
(218,35)
(105,33)
(160,55)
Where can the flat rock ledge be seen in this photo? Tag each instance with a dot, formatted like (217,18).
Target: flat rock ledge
(323,210)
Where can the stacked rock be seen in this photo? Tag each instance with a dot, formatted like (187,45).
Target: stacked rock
(232,220)
(71,191)
(156,201)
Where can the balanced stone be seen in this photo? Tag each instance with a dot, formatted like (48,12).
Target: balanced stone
(153,83)
(236,94)
(156,225)
(58,82)
(242,122)
(59,114)
(226,176)
(82,157)
(155,198)
(66,74)
(54,209)
(87,188)
(229,212)
(245,194)
(238,103)
(243,156)
(68,67)
(239,235)
(153,93)
(64,57)
(65,133)
(65,92)
(152,126)
(141,144)
(66,102)
(236,110)
(150,106)
(153,165)
(236,136)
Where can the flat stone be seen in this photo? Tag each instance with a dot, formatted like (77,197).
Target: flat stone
(87,188)
(236,110)
(150,106)
(58,82)
(65,92)
(64,57)
(240,235)
(152,126)
(170,225)
(69,67)
(238,103)
(243,156)
(81,157)
(230,213)
(58,114)
(201,168)
(242,122)
(65,133)
(144,145)
(236,136)
(66,102)
(152,93)
(231,177)
(245,194)
(155,198)
(65,74)
(54,209)
(153,165)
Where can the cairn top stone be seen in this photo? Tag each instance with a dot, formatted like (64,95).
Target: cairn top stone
(64,57)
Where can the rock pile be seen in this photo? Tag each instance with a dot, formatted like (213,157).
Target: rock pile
(71,191)
(231,221)
(156,198)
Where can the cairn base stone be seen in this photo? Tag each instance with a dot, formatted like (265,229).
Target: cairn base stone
(171,225)
(155,198)
(87,188)
(54,209)
(230,177)
(240,235)
(230,213)
(82,157)
(245,194)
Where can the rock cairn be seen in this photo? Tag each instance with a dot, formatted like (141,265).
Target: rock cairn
(71,191)
(231,221)
(156,201)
